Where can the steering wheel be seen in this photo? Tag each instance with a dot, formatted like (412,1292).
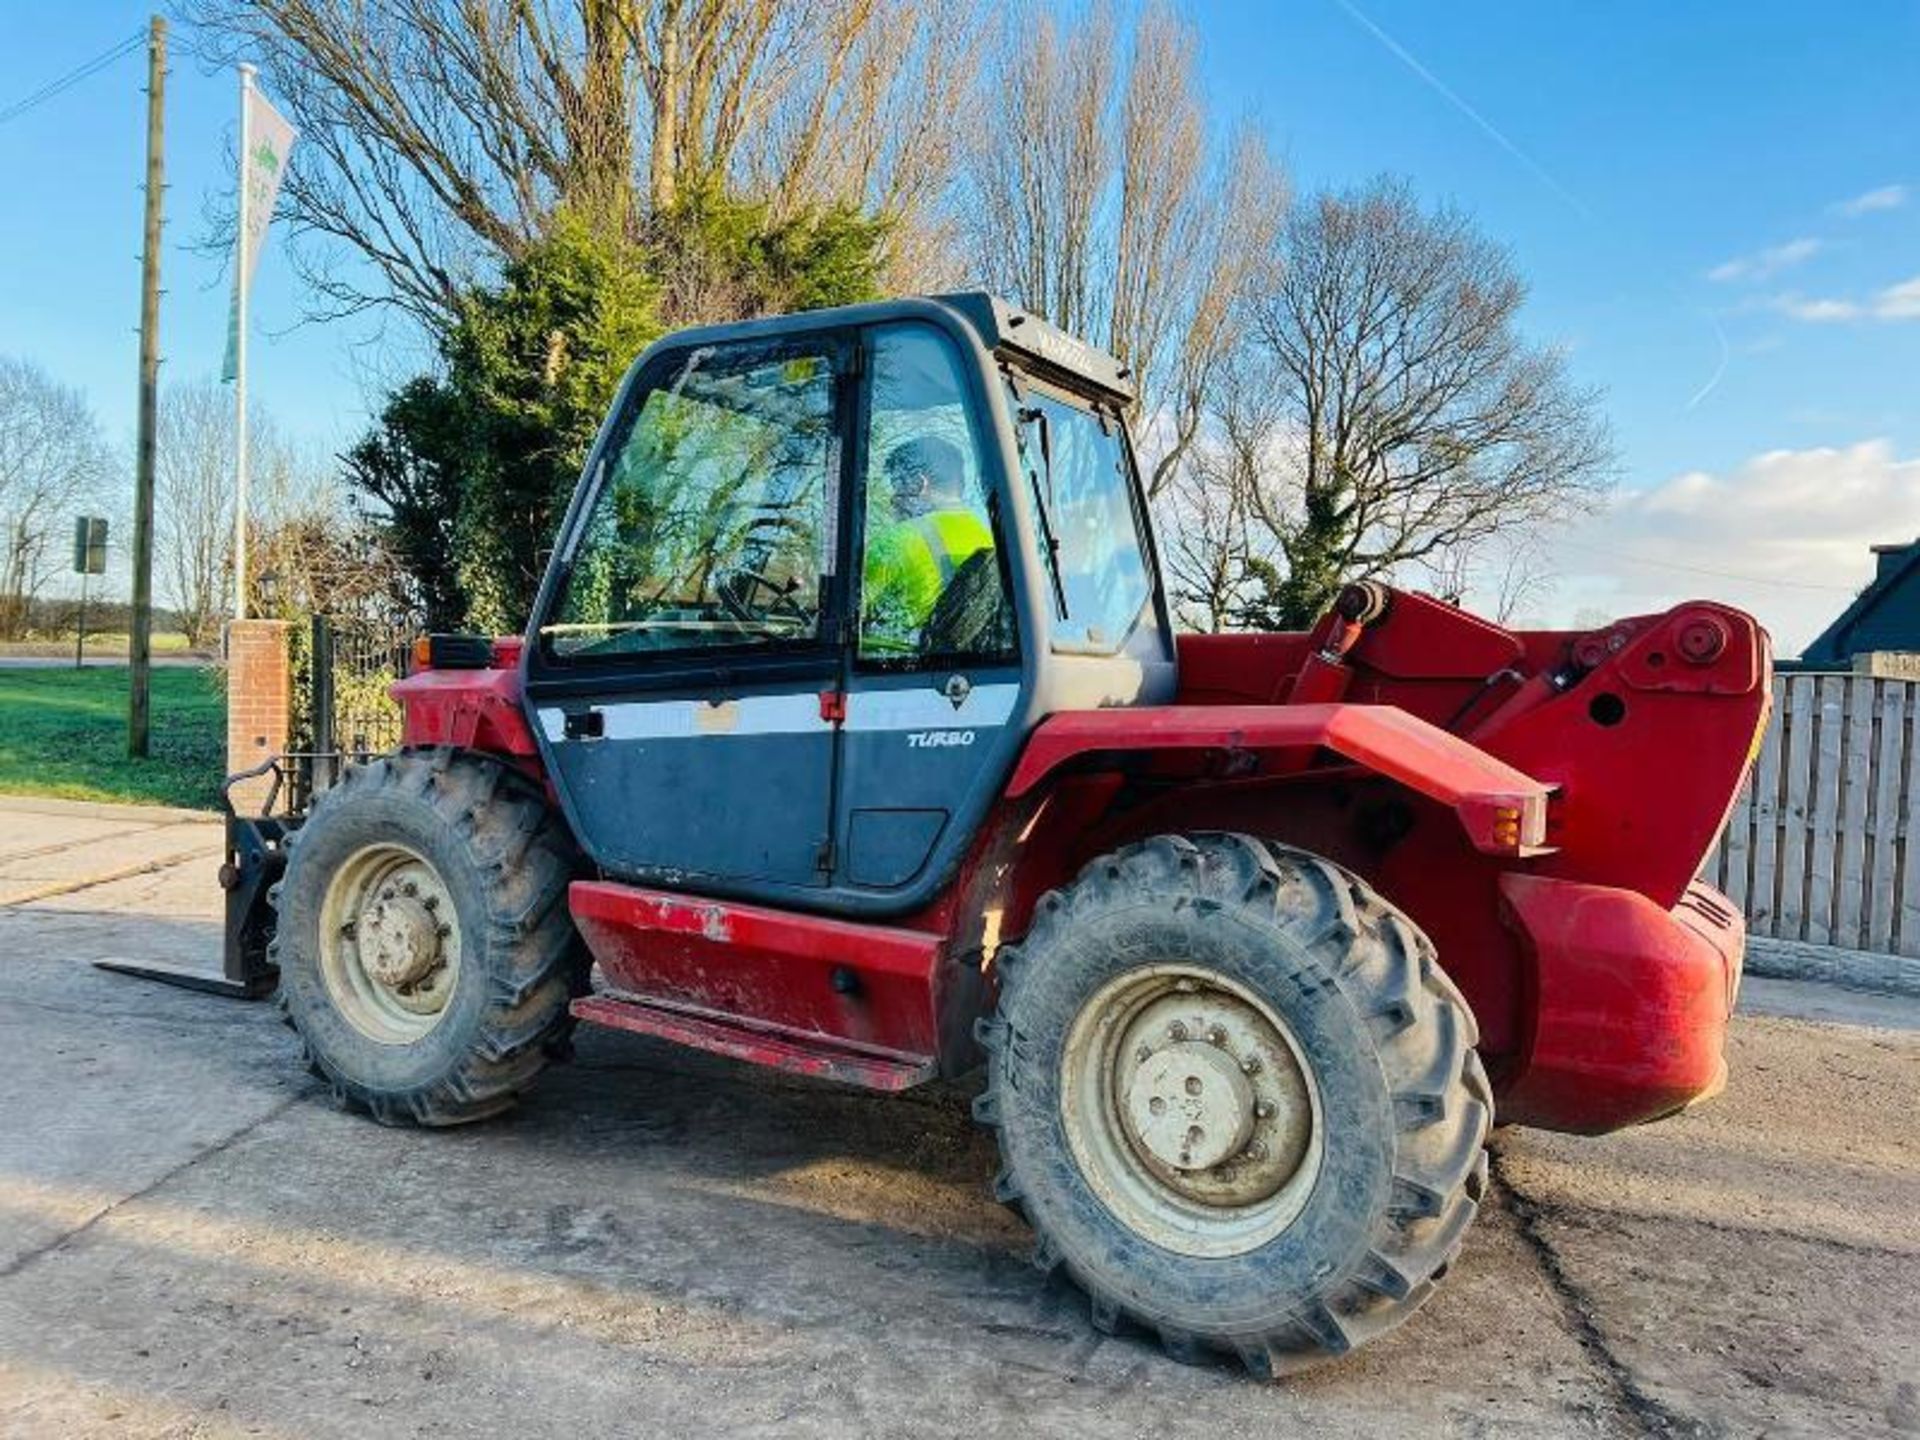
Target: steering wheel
(738,599)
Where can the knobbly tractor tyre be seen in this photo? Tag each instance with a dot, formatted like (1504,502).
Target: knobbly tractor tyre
(1236,1099)
(426,954)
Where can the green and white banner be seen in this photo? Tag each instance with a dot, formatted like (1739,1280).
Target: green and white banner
(269,140)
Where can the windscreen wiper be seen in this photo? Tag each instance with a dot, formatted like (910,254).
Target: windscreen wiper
(1043,502)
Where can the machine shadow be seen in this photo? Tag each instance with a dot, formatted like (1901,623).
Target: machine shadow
(657,1202)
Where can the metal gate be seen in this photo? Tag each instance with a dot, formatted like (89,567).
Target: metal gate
(355,661)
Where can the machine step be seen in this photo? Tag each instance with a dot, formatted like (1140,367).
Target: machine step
(823,1058)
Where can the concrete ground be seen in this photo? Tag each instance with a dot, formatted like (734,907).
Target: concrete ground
(192,1242)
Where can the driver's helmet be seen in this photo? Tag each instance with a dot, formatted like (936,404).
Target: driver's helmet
(925,474)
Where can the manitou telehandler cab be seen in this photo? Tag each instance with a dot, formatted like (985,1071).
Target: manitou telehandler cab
(851,734)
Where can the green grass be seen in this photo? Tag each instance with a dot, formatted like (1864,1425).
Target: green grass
(64,733)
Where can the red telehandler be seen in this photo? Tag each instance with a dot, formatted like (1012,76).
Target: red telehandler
(851,735)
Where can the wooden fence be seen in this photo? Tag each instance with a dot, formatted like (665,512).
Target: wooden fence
(1817,847)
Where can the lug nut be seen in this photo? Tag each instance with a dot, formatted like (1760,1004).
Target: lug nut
(1262,1110)
(1250,1065)
(1176,1031)
(1193,1084)
(432,902)
(1256,1151)
(1217,1035)
(443,931)
(410,889)
(1143,1054)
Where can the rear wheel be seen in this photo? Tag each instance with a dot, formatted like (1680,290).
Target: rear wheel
(1236,1099)
(426,954)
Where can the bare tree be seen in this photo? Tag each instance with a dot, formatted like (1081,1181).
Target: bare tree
(1203,523)
(53,461)
(303,531)
(1413,419)
(882,117)
(1214,551)
(1500,578)
(1098,199)
(439,136)
(193,513)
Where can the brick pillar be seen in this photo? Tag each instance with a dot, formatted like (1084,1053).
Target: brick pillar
(259,703)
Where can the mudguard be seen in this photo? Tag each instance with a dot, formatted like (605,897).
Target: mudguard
(1502,809)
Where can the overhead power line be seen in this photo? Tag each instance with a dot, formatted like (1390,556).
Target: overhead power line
(73,77)
(1626,558)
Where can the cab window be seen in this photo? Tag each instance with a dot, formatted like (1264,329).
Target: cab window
(712,521)
(933,584)
(1080,470)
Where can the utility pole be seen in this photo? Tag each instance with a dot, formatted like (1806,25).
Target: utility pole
(140,642)
(80,634)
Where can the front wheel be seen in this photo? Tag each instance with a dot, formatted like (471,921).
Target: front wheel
(426,954)
(1236,1099)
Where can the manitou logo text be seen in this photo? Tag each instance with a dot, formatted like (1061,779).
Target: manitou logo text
(934,739)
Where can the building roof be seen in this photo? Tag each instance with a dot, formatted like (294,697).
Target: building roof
(1895,588)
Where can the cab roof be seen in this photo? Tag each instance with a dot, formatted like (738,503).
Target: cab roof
(1002,327)
(1006,327)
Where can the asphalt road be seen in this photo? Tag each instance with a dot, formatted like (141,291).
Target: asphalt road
(111,660)
(192,1242)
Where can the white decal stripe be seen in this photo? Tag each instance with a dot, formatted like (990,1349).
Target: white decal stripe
(694,719)
(920,708)
(926,708)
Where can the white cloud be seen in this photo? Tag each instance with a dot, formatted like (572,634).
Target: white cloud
(1887,197)
(1817,311)
(1785,535)
(1765,263)
(1896,302)
(1899,302)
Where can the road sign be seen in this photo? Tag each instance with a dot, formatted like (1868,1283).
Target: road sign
(89,545)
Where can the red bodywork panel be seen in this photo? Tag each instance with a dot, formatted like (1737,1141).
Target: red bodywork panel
(1502,810)
(1630,1012)
(726,1036)
(471,709)
(1538,802)
(866,988)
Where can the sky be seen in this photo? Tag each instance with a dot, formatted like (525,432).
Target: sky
(1717,206)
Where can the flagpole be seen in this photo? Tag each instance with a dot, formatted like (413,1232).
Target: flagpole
(240,355)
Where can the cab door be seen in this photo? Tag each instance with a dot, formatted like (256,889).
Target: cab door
(690,624)
(934,708)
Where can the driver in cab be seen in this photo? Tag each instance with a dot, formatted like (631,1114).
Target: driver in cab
(933,532)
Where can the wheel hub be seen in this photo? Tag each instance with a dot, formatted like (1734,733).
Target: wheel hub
(1191,1110)
(399,940)
(390,951)
(1189,1106)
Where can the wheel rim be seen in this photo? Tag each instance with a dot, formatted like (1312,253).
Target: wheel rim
(389,943)
(1191,1110)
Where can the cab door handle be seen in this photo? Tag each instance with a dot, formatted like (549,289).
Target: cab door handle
(585,724)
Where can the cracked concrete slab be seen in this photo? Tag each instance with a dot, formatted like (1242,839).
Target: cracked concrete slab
(107,856)
(1755,1264)
(54,850)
